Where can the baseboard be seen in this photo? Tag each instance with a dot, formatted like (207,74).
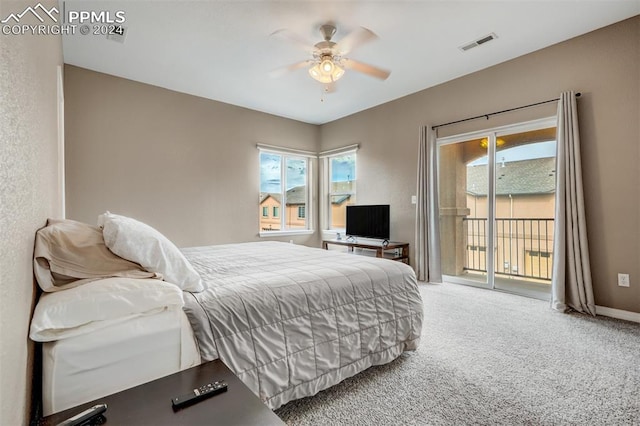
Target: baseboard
(618,313)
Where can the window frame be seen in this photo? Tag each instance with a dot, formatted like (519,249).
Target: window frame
(338,193)
(287,153)
(327,157)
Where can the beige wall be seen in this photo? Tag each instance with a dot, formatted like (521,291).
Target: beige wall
(531,205)
(187,166)
(28,196)
(604,65)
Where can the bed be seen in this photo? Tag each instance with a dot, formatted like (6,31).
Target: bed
(115,358)
(289,320)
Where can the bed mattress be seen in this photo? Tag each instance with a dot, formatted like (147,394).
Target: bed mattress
(291,320)
(86,367)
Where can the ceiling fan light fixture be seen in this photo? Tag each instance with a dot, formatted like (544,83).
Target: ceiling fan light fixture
(327,66)
(326,71)
(337,73)
(327,63)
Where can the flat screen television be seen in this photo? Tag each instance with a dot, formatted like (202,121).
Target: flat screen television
(368,221)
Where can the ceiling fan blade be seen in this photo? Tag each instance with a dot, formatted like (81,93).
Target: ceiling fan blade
(299,41)
(280,71)
(366,69)
(354,39)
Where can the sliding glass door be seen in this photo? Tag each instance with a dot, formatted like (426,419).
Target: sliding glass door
(463,242)
(497,202)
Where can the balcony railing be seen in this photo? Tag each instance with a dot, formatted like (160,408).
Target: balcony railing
(523,247)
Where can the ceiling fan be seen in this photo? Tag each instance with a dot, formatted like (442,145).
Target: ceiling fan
(328,62)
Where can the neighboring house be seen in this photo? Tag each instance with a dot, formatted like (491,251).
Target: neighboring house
(342,194)
(525,204)
(339,205)
(523,189)
(296,210)
(271,209)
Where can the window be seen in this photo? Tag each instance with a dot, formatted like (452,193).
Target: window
(265,211)
(284,190)
(342,188)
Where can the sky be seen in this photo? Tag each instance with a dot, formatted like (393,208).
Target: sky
(270,172)
(342,169)
(524,152)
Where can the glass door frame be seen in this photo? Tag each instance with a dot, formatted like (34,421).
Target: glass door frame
(492,134)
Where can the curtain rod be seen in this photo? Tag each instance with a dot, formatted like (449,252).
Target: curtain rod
(499,112)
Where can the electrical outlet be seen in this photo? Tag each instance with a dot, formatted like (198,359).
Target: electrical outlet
(414,199)
(623,280)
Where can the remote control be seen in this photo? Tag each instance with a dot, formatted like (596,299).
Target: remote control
(85,416)
(199,394)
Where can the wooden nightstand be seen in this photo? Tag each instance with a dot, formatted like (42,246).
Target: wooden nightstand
(150,403)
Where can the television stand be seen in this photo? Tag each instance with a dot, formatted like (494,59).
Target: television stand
(387,251)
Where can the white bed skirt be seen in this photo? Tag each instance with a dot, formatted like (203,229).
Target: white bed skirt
(83,368)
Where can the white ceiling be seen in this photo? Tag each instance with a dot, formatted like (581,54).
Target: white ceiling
(223,50)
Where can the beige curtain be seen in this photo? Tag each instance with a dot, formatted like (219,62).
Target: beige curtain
(571,279)
(427,210)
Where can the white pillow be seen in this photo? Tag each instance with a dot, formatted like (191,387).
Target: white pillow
(98,304)
(68,253)
(142,244)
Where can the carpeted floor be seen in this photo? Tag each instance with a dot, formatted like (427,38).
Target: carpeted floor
(489,358)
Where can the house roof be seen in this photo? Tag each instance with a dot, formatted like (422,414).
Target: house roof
(536,176)
(295,196)
(339,199)
(275,196)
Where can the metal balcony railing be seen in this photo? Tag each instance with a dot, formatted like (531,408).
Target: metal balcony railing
(523,246)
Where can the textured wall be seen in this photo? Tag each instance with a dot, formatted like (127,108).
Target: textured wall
(604,65)
(28,196)
(188,166)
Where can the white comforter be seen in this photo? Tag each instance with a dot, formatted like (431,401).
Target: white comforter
(291,320)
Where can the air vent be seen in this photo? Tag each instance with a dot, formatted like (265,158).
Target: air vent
(478,42)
